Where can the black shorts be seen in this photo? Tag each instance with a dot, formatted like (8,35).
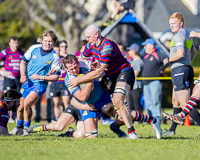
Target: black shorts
(182,77)
(11,84)
(127,4)
(58,89)
(74,112)
(127,76)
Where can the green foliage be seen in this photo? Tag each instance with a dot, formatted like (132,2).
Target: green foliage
(47,146)
(196,61)
(15,20)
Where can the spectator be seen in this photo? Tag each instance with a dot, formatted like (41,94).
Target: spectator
(116,6)
(137,64)
(153,67)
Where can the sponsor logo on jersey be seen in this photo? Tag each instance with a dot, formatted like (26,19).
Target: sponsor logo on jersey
(151,59)
(34,57)
(122,77)
(48,62)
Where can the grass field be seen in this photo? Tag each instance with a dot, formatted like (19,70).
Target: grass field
(184,145)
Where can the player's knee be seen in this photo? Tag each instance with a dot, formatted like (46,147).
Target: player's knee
(196,90)
(80,135)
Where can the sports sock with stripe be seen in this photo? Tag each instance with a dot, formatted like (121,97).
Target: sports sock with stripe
(193,102)
(174,124)
(144,118)
(194,114)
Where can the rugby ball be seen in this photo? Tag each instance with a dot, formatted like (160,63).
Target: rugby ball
(83,84)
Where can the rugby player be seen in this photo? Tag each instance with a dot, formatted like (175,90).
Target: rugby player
(182,52)
(34,68)
(9,102)
(117,69)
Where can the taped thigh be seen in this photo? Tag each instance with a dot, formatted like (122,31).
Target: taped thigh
(121,90)
(197,81)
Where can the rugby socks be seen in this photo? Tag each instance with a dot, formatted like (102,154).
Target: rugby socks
(174,124)
(144,118)
(27,124)
(56,118)
(194,114)
(44,127)
(113,127)
(193,102)
(20,123)
(131,130)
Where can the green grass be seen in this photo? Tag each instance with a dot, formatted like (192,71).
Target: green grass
(47,146)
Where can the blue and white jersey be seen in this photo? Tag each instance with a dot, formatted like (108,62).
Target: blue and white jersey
(40,63)
(95,93)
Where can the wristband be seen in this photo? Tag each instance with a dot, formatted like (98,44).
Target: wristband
(42,78)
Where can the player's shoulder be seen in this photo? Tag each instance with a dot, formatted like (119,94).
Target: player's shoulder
(33,47)
(182,34)
(106,45)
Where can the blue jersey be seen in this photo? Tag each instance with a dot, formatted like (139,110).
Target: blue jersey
(95,94)
(40,63)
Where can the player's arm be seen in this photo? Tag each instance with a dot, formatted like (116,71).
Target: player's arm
(79,105)
(83,94)
(194,34)
(88,77)
(193,53)
(180,53)
(50,78)
(23,67)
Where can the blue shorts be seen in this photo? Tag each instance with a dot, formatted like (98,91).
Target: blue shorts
(104,99)
(182,77)
(27,88)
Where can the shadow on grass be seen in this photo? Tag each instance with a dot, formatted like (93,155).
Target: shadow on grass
(165,138)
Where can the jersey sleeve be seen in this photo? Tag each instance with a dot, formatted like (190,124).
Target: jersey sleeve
(2,54)
(106,54)
(179,41)
(27,56)
(86,53)
(72,90)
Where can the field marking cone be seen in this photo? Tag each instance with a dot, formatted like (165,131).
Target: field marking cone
(187,121)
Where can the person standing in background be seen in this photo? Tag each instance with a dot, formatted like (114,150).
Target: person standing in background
(58,89)
(153,67)
(137,64)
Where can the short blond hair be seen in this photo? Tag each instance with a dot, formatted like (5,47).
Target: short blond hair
(49,33)
(179,17)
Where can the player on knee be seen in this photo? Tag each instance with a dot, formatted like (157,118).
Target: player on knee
(9,102)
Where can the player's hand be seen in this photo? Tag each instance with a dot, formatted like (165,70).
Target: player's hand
(73,82)
(192,34)
(35,76)
(90,107)
(52,71)
(166,61)
(95,65)
(23,79)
